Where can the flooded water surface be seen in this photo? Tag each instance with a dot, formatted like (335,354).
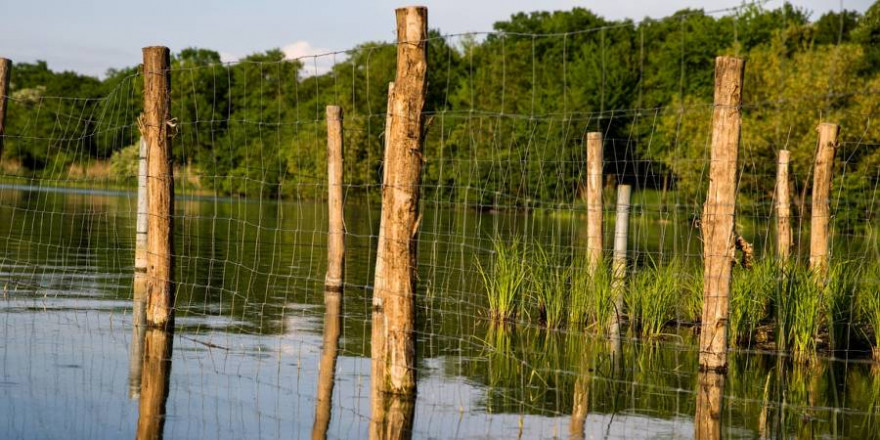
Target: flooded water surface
(259,351)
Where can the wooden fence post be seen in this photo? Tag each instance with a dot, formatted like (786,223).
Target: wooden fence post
(140,239)
(5,71)
(783,208)
(820,215)
(160,187)
(396,256)
(718,213)
(618,265)
(594,201)
(377,336)
(336,234)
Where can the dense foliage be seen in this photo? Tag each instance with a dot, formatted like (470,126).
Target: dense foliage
(508,109)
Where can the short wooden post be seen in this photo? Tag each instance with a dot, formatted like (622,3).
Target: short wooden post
(594,201)
(154,383)
(5,71)
(718,212)
(783,208)
(335,278)
(160,187)
(396,256)
(327,369)
(618,265)
(820,215)
(140,239)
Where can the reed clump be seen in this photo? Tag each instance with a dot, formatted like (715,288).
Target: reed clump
(505,278)
(550,284)
(653,297)
(592,303)
(776,304)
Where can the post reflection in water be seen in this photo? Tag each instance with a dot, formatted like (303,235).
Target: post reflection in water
(392,416)
(327,369)
(707,420)
(581,407)
(138,330)
(155,374)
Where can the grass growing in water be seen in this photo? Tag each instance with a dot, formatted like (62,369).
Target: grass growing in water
(591,296)
(551,273)
(505,278)
(869,304)
(751,293)
(653,297)
(839,295)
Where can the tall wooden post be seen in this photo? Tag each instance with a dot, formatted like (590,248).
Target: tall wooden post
(5,71)
(783,208)
(594,201)
(396,256)
(160,187)
(820,215)
(336,225)
(618,265)
(718,212)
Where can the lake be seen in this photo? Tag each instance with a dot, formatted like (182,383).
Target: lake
(252,328)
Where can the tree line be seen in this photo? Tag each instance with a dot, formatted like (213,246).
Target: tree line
(508,110)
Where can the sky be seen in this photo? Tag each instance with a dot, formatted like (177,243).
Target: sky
(90,36)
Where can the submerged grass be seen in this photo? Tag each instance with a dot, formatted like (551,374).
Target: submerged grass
(505,278)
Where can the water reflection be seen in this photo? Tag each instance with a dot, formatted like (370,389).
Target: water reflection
(155,375)
(327,370)
(392,416)
(707,421)
(136,352)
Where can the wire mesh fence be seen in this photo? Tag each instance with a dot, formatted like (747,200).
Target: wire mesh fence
(511,330)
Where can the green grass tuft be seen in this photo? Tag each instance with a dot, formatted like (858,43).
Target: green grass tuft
(505,279)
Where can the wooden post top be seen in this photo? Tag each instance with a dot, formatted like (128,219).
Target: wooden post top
(334,113)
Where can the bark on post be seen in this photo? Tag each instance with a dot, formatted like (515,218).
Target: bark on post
(396,266)
(820,216)
(156,126)
(718,212)
(618,265)
(594,201)
(336,234)
(783,208)
(5,71)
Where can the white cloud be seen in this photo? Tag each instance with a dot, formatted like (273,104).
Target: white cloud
(226,57)
(315,60)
